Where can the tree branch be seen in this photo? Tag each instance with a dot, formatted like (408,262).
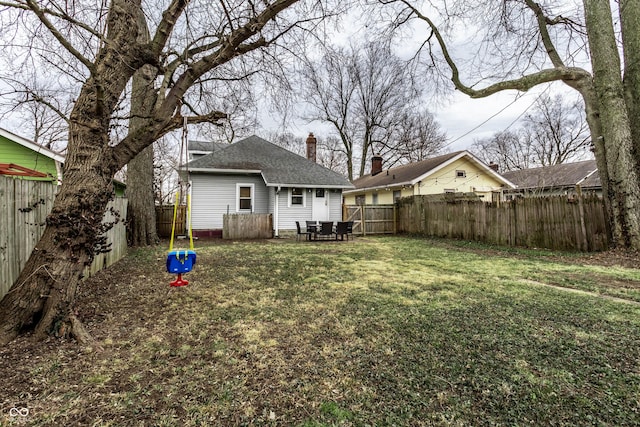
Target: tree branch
(40,13)
(522,84)
(165,27)
(544,33)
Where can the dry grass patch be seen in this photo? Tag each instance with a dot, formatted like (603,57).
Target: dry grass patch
(380,331)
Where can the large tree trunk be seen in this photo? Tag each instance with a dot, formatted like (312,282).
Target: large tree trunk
(141,209)
(592,110)
(44,293)
(630,24)
(141,213)
(623,186)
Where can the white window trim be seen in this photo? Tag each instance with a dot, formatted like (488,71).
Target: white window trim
(304,197)
(253,197)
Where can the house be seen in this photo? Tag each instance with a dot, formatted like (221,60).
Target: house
(559,179)
(256,176)
(458,172)
(25,159)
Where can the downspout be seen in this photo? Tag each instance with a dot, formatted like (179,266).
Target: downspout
(276,211)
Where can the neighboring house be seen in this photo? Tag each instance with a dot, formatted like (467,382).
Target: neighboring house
(256,176)
(28,160)
(25,159)
(459,172)
(555,180)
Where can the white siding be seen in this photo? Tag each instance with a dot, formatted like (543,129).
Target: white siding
(212,196)
(288,215)
(335,205)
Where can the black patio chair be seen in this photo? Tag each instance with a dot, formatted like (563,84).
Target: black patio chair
(341,230)
(307,234)
(349,229)
(326,229)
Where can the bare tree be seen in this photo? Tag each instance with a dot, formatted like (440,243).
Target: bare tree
(507,149)
(289,141)
(165,167)
(364,92)
(526,44)
(331,154)
(557,132)
(418,137)
(141,213)
(329,149)
(104,44)
(42,111)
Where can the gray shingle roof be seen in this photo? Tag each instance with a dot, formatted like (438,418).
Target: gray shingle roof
(277,165)
(564,175)
(206,146)
(402,174)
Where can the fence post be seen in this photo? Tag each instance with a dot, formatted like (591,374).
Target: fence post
(584,246)
(364,221)
(395,219)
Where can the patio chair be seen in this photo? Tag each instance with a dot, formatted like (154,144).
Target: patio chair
(307,234)
(341,230)
(326,229)
(349,229)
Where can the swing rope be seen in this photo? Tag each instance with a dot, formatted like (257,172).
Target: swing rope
(178,193)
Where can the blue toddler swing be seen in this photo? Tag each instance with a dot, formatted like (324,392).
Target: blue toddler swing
(181,261)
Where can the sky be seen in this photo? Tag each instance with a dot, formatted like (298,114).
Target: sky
(465,119)
(462,119)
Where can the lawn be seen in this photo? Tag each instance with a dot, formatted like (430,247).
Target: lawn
(373,332)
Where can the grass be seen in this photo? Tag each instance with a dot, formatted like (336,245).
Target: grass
(380,331)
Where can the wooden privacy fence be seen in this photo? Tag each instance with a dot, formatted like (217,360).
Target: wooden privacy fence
(164,220)
(378,219)
(554,222)
(24,206)
(247,226)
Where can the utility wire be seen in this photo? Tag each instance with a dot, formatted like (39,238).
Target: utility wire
(494,115)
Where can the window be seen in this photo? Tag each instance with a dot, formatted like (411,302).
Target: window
(374,199)
(244,197)
(397,194)
(461,174)
(360,200)
(319,193)
(297,197)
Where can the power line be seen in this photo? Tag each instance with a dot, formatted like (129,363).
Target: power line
(501,110)
(483,123)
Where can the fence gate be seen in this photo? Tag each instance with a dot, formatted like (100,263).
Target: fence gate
(164,220)
(378,219)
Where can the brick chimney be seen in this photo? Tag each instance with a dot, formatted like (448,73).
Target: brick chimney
(311,147)
(376,164)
